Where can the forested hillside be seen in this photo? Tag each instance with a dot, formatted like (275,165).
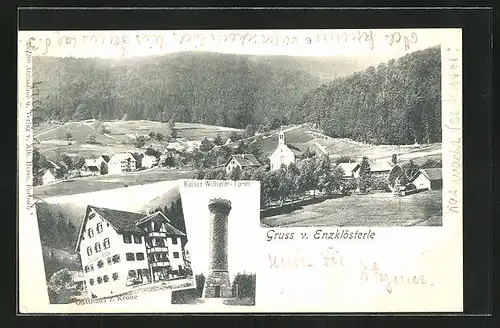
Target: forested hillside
(398,102)
(209,88)
(395,103)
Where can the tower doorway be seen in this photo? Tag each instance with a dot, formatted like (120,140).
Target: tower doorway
(217,291)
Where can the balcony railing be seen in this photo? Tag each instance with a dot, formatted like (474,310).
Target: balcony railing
(160,264)
(156,249)
(157,234)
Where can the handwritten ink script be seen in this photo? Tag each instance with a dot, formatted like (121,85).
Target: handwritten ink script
(366,39)
(321,235)
(453,123)
(331,258)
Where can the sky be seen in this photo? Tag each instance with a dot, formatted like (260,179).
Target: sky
(385,44)
(243,225)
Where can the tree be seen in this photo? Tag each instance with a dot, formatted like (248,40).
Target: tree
(308,179)
(160,137)
(125,117)
(308,153)
(218,140)
(153,152)
(235,174)
(140,142)
(69,136)
(152,135)
(78,162)
(173,133)
(250,130)
(104,130)
(61,279)
(234,136)
(91,139)
(394,159)
(206,145)
(40,164)
(255,148)
(344,159)
(365,176)
(67,161)
(103,169)
(410,169)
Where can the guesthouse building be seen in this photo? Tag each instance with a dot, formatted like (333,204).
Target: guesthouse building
(243,161)
(121,162)
(120,250)
(431,179)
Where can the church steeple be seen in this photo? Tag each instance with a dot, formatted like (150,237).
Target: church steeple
(281,138)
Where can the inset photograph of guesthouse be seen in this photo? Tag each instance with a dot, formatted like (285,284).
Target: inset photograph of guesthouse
(116,242)
(222,218)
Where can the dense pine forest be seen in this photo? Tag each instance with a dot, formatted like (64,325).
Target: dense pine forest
(397,102)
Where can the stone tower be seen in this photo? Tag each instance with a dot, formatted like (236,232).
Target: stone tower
(218,283)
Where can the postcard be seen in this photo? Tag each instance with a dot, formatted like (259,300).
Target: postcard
(245,171)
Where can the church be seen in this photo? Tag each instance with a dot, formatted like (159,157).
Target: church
(282,155)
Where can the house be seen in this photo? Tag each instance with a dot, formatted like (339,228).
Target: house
(431,179)
(351,170)
(91,163)
(282,155)
(176,146)
(49,176)
(121,162)
(192,145)
(381,169)
(243,161)
(119,250)
(149,161)
(93,169)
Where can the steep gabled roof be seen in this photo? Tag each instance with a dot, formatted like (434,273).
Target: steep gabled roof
(380,167)
(105,157)
(93,168)
(245,160)
(122,157)
(433,174)
(348,168)
(122,221)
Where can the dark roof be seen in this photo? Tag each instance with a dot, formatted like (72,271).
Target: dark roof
(93,168)
(246,160)
(105,157)
(122,221)
(295,149)
(170,229)
(433,174)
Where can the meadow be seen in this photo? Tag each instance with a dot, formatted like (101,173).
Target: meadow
(370,210)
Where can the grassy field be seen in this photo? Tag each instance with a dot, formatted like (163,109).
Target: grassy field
(372,210)
(104,182)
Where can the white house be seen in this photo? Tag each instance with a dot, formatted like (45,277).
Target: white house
(193,145)
(282,155)
(120,250)
(431,179)
(149,161)
(49,176)
(177,146)
(381,168)
(92,163)
(351,170)
(242,161)
(121,162)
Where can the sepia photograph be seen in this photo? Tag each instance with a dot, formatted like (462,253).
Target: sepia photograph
(97,246)
(215,169)
(223,219)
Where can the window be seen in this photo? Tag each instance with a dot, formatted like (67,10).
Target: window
(131,273)
(174,240)
(139,256)
(105,278)
(91,267)
(99,227)
(109,261)
(176,255)
(100,264)
(127,239)
(97,247)
(137,239)
(130,256)
(91,216)
(89,251)
(116,258)
(115,276)
(91,282)
(99,280)
(164,257)
(106,243)
(90,232)
(87,269)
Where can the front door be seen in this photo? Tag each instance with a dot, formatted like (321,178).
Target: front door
(217,291)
